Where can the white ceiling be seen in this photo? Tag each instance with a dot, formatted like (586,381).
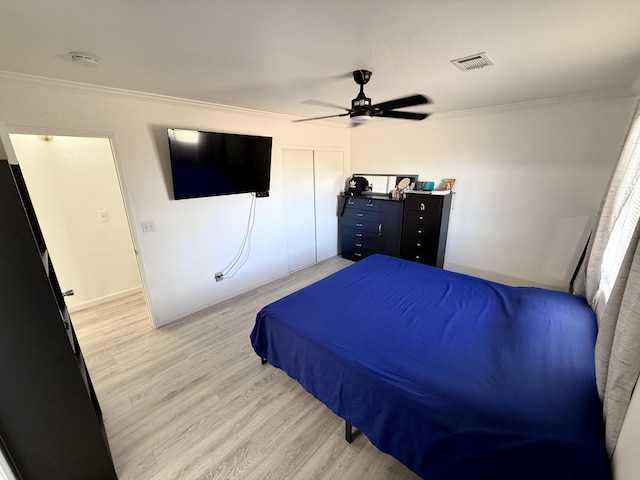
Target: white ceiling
(275,55)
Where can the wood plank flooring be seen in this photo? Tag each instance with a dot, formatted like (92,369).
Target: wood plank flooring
(191,400)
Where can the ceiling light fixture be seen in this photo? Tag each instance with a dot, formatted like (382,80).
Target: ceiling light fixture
(361,118)
(84,59)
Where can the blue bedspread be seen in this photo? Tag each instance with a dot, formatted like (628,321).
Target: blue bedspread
(456,377)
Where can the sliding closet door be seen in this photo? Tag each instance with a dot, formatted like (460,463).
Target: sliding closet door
(299,208)
(312,182)
(329,182)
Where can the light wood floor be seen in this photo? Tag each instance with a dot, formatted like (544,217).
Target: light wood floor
(191,400)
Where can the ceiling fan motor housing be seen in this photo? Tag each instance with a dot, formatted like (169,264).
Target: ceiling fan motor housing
(361,103)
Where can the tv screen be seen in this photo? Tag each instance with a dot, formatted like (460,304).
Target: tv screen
(205,164)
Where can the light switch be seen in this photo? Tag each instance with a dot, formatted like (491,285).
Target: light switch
(103,215)
(148,226)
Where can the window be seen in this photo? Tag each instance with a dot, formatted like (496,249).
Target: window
(625,210)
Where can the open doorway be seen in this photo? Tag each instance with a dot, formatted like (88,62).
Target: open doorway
(76,194)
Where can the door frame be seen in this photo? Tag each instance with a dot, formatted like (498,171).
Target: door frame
(6,130)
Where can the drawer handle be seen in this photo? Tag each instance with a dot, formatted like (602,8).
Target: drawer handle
(358,234)
(422,206)
(370,205)
(418,245)
(358,244)
(358,225)
(419,231)
(350,202)
(358,254)
(421,217)
(360,214)
(417,257)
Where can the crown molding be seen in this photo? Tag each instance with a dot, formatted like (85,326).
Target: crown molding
(27,80)
(600,95)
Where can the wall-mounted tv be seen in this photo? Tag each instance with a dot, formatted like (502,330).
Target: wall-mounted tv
(206,164)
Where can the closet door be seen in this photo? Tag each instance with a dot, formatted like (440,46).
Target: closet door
(329,182)
(299,208)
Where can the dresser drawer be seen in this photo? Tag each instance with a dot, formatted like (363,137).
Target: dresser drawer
(423,203)
(420,246)
(428,256)
(352,235)
(422,218)
(361,214)
(414,232)
(360,225)
(356,253)
(363,203)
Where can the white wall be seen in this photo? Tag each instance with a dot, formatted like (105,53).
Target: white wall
(529,180)
(194,238)
(70,180)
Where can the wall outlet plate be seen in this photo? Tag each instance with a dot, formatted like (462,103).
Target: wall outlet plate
(148,226)
(219,276)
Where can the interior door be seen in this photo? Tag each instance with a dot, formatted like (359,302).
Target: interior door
(329,182)
(299,208)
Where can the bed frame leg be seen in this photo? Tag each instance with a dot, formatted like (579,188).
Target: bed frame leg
(263,360)
(348,432)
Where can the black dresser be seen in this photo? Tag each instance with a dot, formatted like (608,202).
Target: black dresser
(424,230)
(50,420)
(370,224)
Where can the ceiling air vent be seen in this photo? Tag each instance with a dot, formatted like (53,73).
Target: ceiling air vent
(479,60)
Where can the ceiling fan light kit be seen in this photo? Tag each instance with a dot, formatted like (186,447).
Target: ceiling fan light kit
(362,110)
(360,118)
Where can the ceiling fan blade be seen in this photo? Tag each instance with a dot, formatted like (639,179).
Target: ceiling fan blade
(320,118)
(402,102)
(324,104)
(403,115)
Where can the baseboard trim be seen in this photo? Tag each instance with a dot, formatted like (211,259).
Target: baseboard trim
(107,298)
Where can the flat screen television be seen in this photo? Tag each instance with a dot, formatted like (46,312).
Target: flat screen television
(205,164)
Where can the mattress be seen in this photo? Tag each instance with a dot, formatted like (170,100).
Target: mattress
(455,376)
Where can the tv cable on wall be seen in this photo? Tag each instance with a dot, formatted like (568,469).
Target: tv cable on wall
(245,247)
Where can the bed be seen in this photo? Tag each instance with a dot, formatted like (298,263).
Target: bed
(455,376)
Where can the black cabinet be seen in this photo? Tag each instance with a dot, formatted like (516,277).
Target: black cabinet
(424,231)
(370,224)
(50,420)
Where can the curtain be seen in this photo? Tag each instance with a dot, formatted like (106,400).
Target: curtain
(618,344)
(610,281)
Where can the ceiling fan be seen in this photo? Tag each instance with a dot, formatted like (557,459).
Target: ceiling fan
(362,110)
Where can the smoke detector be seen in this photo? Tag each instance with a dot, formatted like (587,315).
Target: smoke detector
(84,59)
(479,60)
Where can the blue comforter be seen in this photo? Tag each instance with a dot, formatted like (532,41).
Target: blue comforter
(455,376)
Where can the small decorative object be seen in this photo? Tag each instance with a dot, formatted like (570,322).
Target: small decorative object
(420,185)
(428,186)
(404,184)
(448,183)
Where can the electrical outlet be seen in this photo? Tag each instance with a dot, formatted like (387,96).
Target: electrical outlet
(148,226)
(219,276)
(103,215)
